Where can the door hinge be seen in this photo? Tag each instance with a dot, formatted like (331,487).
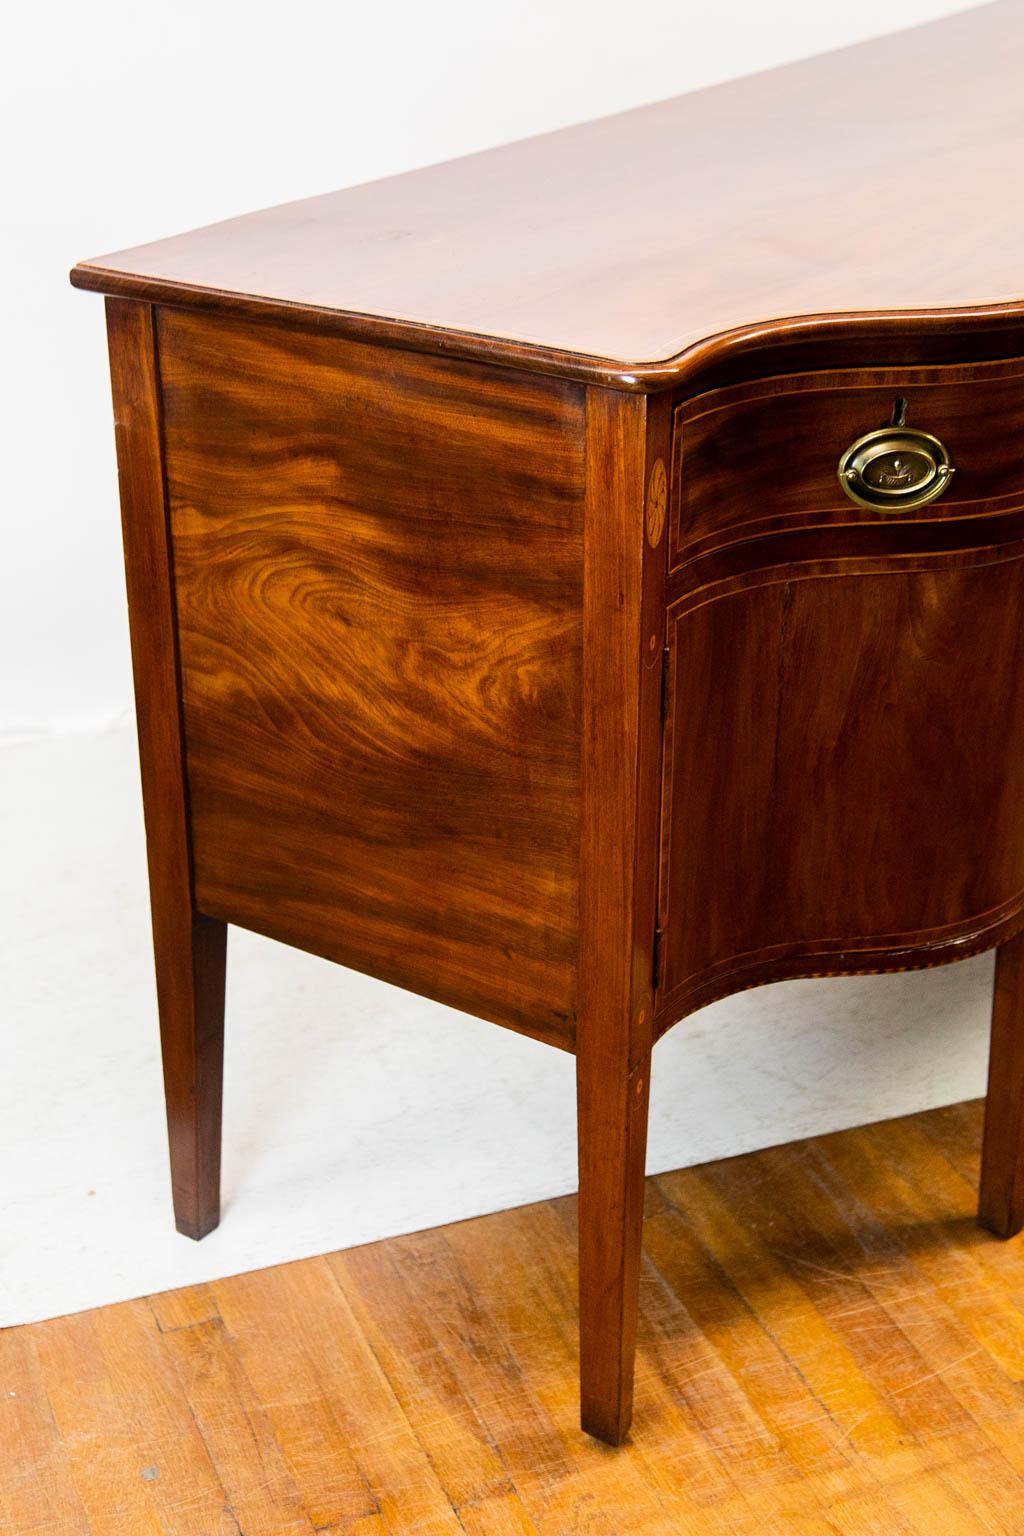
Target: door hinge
(656,960)
(664,683)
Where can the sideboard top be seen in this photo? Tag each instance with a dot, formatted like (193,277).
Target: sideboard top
(860,185)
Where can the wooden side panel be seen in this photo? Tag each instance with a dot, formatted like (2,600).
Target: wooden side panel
(378,561)
(844,769)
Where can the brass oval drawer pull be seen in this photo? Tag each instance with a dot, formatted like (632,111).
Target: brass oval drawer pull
(895,469)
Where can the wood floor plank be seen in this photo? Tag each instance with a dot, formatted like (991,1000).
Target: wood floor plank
(840,1412)
(386,1300)
(501,1515)
(850,1411)
(966,1265)
(955,1130)
(483,1366)
(691,1408)
(802,1229)
(390,1461)
(915,1281)
(180,1309)
(828,1346)
(849,1273)
(369,1525)
(103,1455)
(236,1431)
(780,1446)
(37,1489)
(269,1341)
(521,1281)
(170,1454)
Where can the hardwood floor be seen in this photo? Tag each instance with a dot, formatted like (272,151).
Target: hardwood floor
(828,1343)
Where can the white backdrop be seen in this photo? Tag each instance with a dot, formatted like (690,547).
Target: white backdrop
(121,122)
(352,1110)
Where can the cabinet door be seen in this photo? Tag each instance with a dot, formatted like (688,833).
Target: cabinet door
(844,767)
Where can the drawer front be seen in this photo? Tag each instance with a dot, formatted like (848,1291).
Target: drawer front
(762,458)
(377,561)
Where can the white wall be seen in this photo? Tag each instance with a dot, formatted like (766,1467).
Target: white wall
(120,123)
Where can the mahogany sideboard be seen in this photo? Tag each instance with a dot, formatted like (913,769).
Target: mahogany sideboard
(585,579)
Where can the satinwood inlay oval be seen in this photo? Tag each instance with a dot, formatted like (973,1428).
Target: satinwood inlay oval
(657,501)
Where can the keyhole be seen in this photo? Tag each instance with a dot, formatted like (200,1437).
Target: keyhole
(899,412)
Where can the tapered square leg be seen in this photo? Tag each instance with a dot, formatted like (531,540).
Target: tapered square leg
(612,1118)
(189,948)
(1001,1200)
(190,959)
(627,448)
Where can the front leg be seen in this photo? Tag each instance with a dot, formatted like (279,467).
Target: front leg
(612,1118)
(1001,1200)
(189,948)
(623,644)
(190,953)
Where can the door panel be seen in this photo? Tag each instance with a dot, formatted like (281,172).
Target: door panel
(844,769)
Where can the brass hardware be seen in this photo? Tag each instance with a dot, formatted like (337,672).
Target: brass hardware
(895,468)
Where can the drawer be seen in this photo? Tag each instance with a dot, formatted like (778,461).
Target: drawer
(763,457)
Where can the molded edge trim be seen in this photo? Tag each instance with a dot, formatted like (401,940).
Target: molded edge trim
(855,327)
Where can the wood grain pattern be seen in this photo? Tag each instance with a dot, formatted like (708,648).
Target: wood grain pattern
(846,191)
(827,1344)
(844,769)
(37,1488)
(189,947)
(761,458)
(378,569)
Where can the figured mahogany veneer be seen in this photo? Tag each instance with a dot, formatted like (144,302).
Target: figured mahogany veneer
(500,625)
(378,561)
